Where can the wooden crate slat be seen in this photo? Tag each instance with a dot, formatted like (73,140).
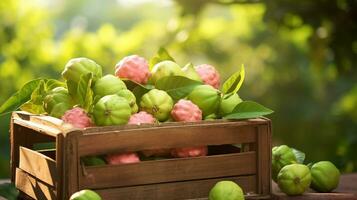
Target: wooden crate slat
(264,159)
(164,137)
(38,165)
(160,171)
(177,190)
(33,187)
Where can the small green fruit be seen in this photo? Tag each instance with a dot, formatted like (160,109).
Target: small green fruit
(85,195)
(325,176)
(165,68)
(158,103)
(206,98)
(111,110)
(281,156)
(93,161)
(81,66)
(108,85)
(57,102)
(228,103)
(130,97)
(210,117)
(294,179)
(191,73)
(226,190)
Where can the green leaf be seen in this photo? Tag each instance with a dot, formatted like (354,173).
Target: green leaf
(84,91)
(248,109)
(72,89)
(177,86)
(233,83)
(39,93)
(53,83)
(140,90)
(8,191)
(300,156)
(161,55)
(33,108)
(20,97)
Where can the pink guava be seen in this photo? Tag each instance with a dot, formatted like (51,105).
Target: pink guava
(209,75)
(134,68)
(142,117)
(77,117)
(189,152)
(122,158)
(186,111)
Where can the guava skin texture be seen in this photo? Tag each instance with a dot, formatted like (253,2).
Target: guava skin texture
(228,103)
(80,66)
(108,85)
(77,117)
(206,98)
(134,68)
(186,111)
(111,110)
(209,75)
(294,179)
(281,156)
(158,103)
(85,195)
(325,176)
(130,97)
(226,190)
(93,161)
(57,102)
(165,68)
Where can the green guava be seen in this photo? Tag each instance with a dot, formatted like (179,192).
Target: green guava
(108,85)
(226,190)
(111,110)
(294,179)
(57,102)
(206,98)
(281,156)
(228,103)
(212,116)
(165,68)
(80,66)
(325,176)
(85,195)
(191,73)
(93,161)
(130,97)
(158,103)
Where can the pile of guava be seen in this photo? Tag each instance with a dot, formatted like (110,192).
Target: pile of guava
(294,177)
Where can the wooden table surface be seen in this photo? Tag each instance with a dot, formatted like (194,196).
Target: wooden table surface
(346,190)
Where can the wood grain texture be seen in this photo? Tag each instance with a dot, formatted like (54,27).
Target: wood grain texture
(38,165)
(152,138)
(33,187)
(264,159)
(173,191)
(169,170)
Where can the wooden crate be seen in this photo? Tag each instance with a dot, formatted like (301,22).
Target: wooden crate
(57,173)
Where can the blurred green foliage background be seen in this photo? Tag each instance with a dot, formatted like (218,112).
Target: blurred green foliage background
(300,56)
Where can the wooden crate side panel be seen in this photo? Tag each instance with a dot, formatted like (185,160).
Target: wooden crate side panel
(38,165)
(264,159)
(177,190)
(149,172)
(33,187)
(152,138)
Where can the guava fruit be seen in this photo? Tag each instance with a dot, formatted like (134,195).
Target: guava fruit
(281,156)
(134,68)
(325,176)
(211,117)
(228,103)
(111,110)
(81,66)
(77,117)
(185,152)
(122,158)
(57,102)
(206,98)
(165,68)
(130,97)
(226,190)
(191,73)
(294,179)
(142,117)
(85,195)
(209,75)
(93,161)
(158,103)
(108,85)
(186,111)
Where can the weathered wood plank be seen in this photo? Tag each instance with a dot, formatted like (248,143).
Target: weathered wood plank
(264,159)
(38,165)
(34,187)
(149,172)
